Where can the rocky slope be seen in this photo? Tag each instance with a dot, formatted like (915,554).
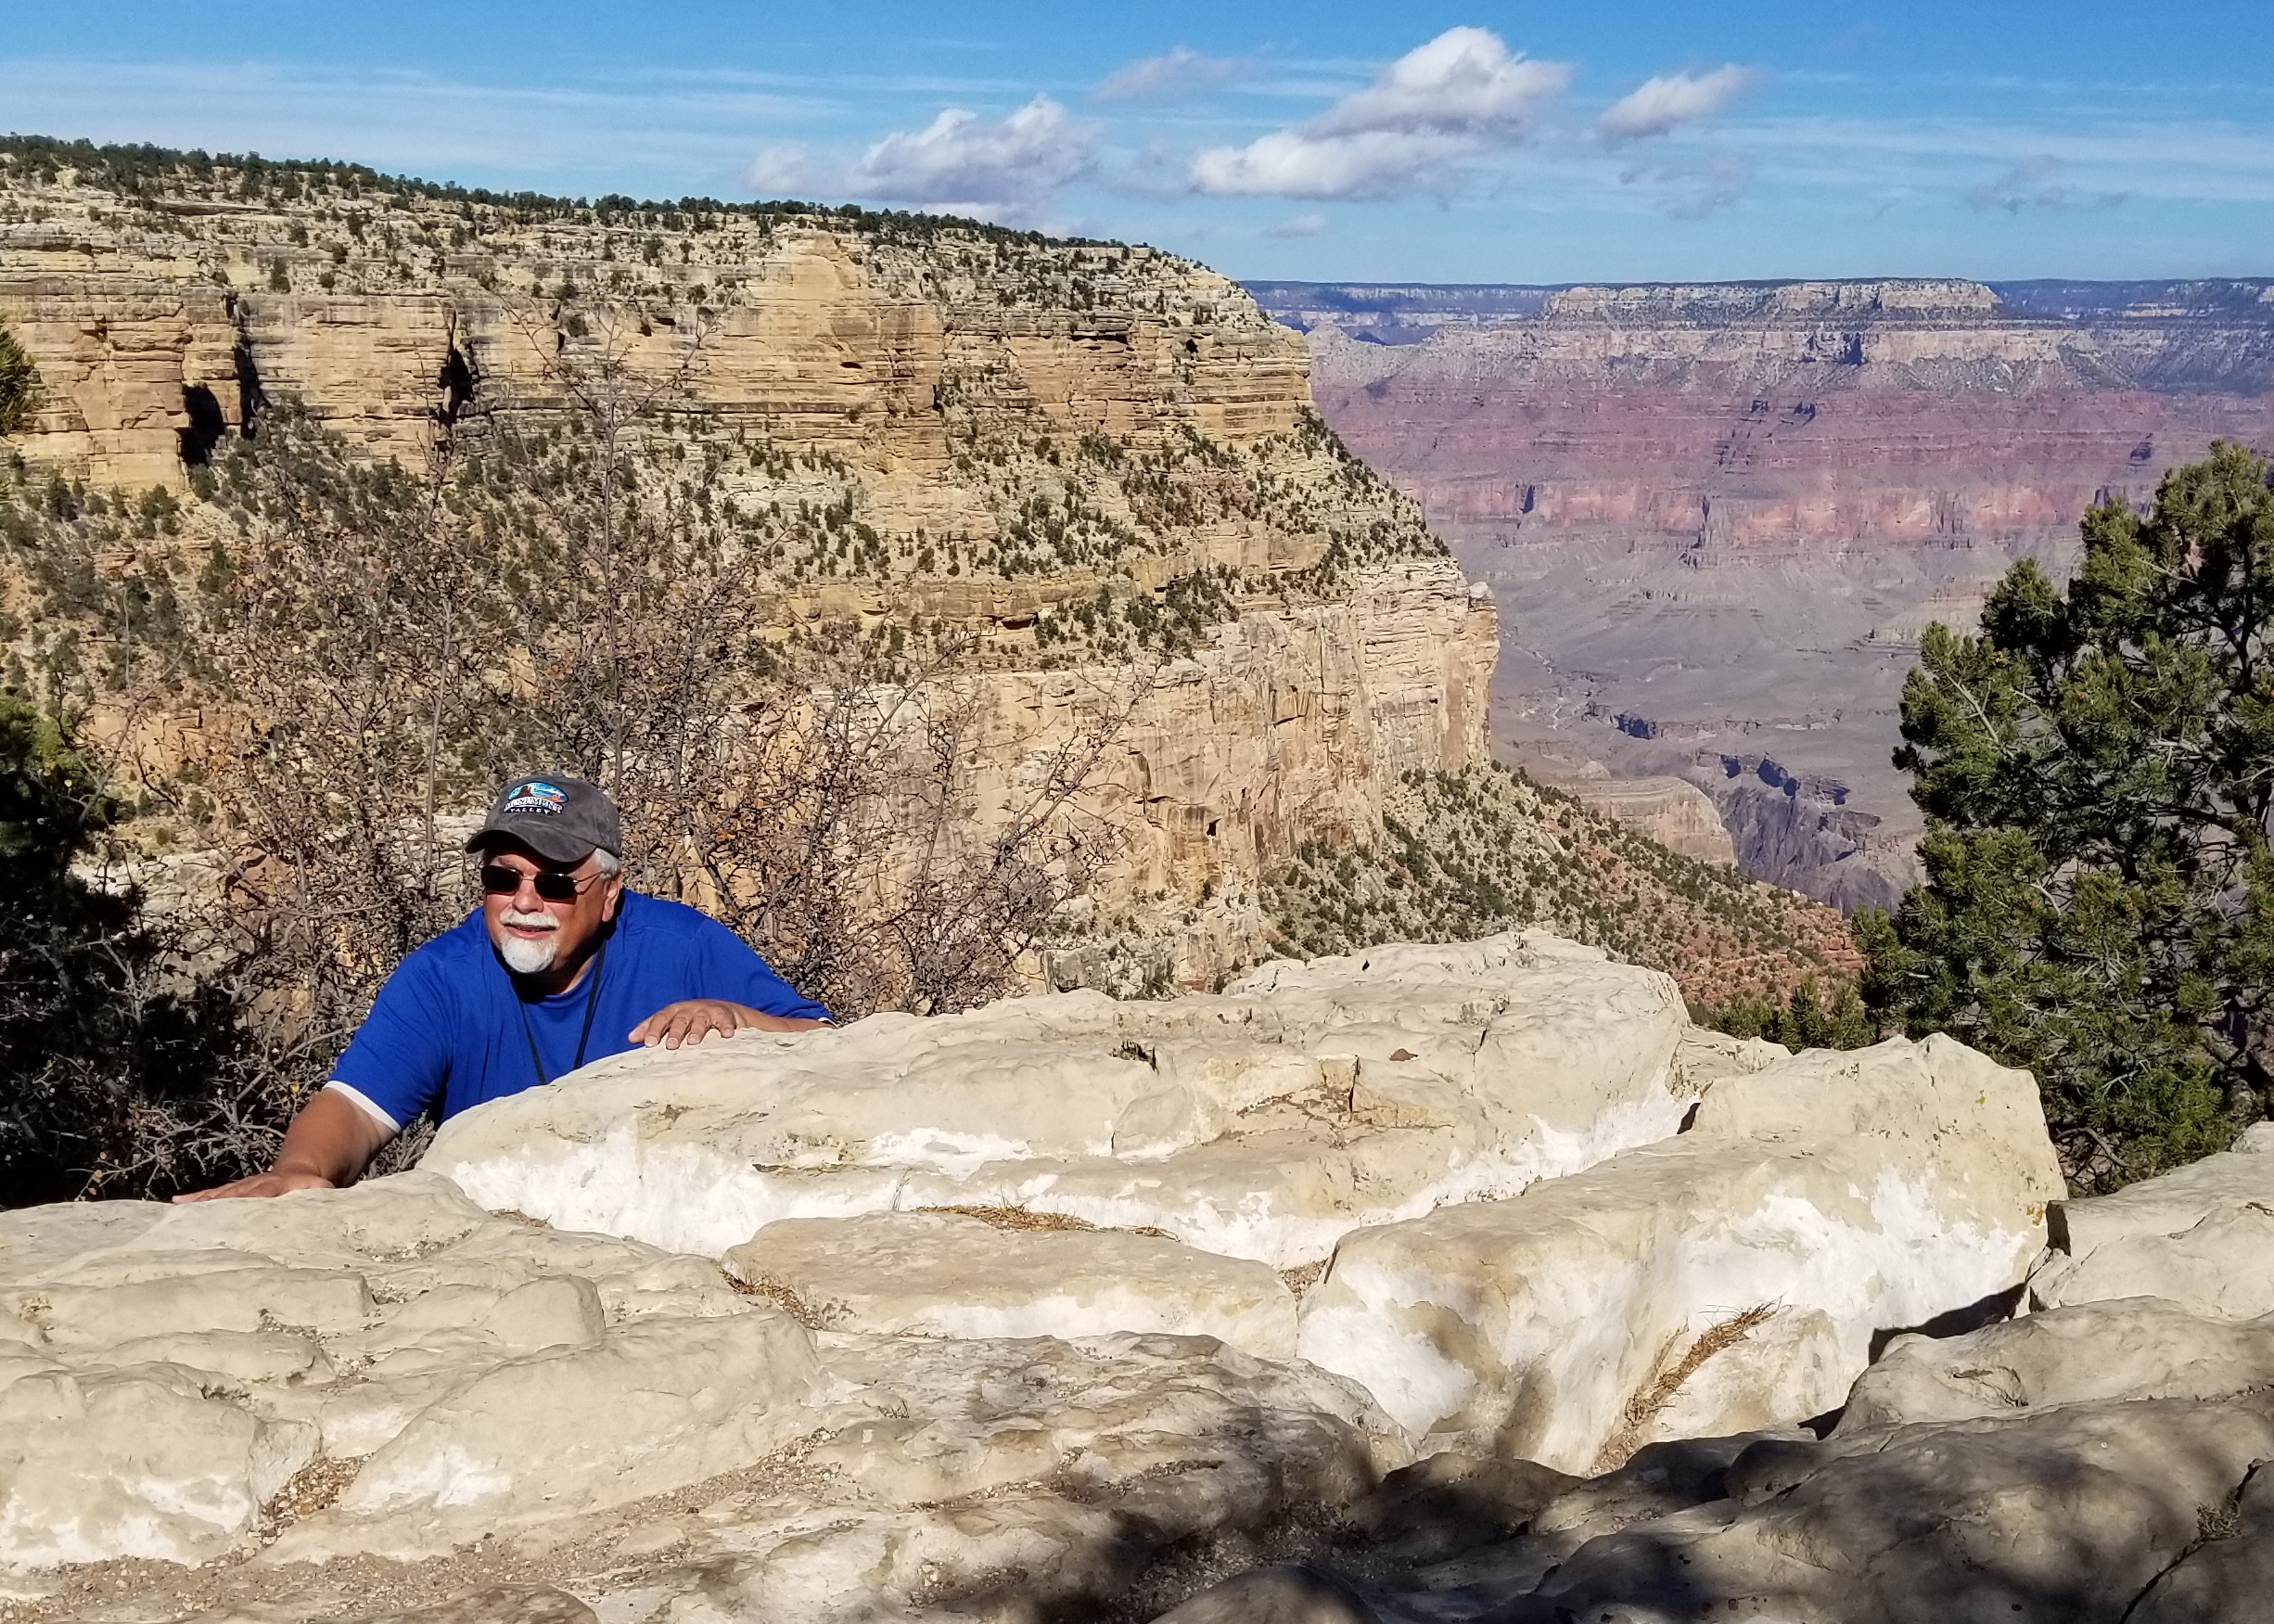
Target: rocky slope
(1723,513)
(1060,1307)
(1484,850)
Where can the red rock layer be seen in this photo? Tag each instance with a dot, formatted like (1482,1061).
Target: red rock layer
(1796,418)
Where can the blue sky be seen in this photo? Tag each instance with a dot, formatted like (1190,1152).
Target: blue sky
(1424,143)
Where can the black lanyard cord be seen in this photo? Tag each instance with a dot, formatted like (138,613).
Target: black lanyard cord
(591,1003)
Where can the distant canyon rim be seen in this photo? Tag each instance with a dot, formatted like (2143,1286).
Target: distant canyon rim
(1718,518)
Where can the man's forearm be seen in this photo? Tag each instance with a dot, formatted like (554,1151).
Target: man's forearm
(333,1137)
(763,1022)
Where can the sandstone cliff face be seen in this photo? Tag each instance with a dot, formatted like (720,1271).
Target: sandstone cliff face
(1291,722)
(1723,515)
(1012,423)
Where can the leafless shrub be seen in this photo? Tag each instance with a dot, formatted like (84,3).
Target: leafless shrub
(385,644)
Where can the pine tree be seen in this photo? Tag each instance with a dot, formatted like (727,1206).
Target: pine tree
(2097,772)
(95,1051)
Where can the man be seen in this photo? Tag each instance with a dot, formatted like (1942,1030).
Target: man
(560,966)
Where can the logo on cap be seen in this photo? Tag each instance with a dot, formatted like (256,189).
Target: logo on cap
(537,796)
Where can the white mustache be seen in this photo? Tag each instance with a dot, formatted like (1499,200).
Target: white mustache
(529,921)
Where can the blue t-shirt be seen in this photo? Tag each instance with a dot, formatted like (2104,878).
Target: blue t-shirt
(447,1025)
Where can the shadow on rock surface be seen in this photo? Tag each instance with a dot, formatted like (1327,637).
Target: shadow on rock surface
(2060,1518)
(1288,1593)
(1452,1503)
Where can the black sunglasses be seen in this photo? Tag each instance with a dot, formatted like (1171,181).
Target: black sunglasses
(555,885)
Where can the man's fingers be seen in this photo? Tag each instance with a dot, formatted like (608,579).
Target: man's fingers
(700,1021)
(689,1021)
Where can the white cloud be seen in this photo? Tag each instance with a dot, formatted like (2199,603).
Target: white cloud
(1307,225)
(1288,164)
(1461,93)
(964,164)
(1173,73)
(1462,82)
(1657,105)
(779,171)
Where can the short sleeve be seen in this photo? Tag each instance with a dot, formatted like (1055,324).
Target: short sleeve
(732,969)
(399,1056)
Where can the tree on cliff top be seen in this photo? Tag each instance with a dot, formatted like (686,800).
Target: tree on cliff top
(2096,770)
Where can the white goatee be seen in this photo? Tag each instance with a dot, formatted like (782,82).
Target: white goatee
(525,957)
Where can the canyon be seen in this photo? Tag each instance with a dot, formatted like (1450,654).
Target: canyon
(1404,1281)
(954,427)
(1718,516)
(1038,452)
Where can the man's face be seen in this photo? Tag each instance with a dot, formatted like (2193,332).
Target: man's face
(532,933)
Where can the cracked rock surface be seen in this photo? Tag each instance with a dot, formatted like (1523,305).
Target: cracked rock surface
(1430,1284)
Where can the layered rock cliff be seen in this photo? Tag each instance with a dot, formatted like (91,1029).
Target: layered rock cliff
(967,428)
(1724,513)
(1801,417)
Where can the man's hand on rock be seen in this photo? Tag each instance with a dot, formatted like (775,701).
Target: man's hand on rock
(693,1019)
(275,1183)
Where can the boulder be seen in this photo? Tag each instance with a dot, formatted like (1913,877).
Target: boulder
(2201,1236)
(949,1274)
(459,1377)
(151,1461)
(1263,1123)
(1184,1430)
(645,1408)
(2131,1348)
(1814,1205)
(2063,1514)
(178,1366)
(1009,1480)
(1450,1502)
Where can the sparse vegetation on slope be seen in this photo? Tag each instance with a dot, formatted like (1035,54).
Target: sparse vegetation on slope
(1807,1018)
(1097,527)
(1474,853)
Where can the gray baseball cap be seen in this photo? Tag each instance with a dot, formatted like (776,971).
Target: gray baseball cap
(559,818)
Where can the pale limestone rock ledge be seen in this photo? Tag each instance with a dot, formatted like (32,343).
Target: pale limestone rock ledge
(456,1377)
(946,1274)
(2201,1236)
(1811,1205)
(1263,1123)
(1613,1261)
